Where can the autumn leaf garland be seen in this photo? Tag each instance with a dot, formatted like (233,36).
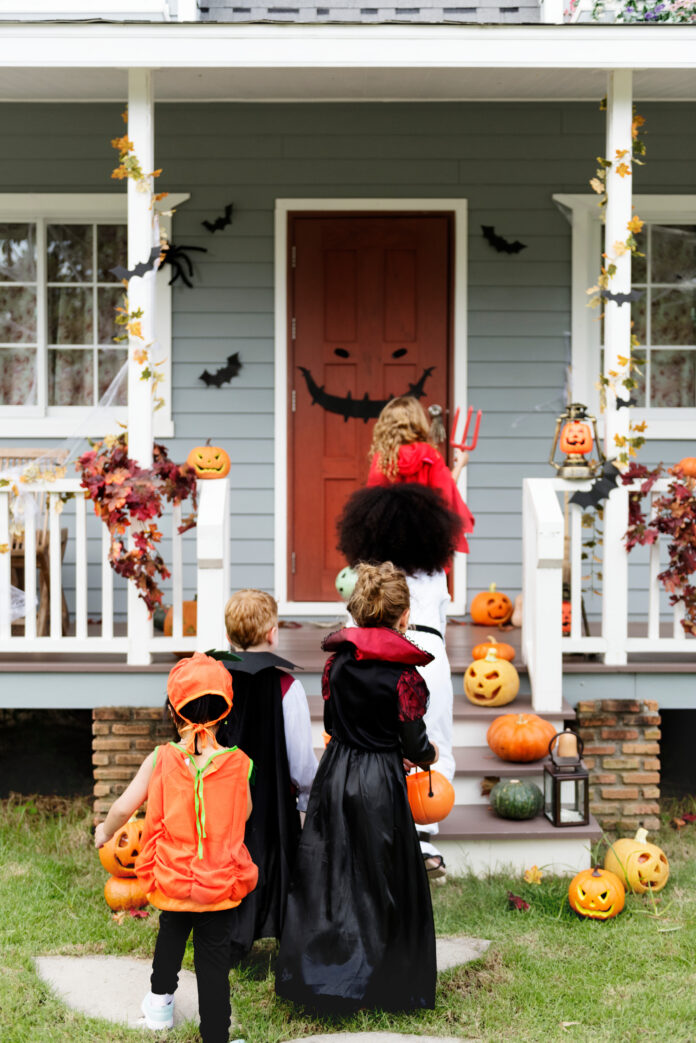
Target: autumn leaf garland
(123,494)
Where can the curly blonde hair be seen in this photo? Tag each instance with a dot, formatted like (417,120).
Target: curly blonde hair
(403,420)
(380,597)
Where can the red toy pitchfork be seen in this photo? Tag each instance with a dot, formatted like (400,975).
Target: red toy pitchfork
(462,445)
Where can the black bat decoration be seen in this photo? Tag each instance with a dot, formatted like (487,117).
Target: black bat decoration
(224,374)
(620,402)
(220,222)
(500,243)
(600,488)
(140,269)
(364,408)
(622,298)
(176,256)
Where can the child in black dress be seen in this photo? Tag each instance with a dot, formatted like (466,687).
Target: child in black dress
(359,925)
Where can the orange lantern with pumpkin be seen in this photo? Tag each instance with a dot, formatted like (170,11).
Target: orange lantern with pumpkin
(574,436)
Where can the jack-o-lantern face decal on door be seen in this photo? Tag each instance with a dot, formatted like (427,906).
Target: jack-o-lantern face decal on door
(369,318)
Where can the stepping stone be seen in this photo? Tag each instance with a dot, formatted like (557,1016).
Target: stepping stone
(458,949)
(112,987)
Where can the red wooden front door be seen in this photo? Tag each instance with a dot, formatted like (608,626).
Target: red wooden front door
(369,319)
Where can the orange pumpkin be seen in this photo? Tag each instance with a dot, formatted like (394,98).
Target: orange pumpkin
(209,461)
(491,607)
(430,795)
(501,649)
(124,893)
(118,855)
(597,894)
(576,437)
(520,737)
(491,681)
(687,466)
(189,619)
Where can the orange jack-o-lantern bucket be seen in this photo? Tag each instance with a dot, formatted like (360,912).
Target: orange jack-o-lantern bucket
(430,795)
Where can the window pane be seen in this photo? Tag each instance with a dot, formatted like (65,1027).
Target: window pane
(673,379)
(673,316)
(638,318)
(17,253)
(638,263)
(112,249)
(639,376)
(113,377)
(107,299)
(69,249)
(18,376)
(69,315)
(70,378)
(673,253)
(17,314)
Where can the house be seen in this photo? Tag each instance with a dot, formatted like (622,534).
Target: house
(357,153)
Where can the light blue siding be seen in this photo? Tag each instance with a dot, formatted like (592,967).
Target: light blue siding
(506,160)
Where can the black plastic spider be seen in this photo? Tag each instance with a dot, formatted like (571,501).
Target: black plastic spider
(182,265)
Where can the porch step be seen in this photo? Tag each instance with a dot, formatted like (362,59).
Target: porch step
(474,839)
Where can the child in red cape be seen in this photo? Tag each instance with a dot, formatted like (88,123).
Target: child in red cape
(401,451)
(193,864)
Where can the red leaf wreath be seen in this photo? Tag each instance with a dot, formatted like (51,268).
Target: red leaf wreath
(123,493)
(675,516)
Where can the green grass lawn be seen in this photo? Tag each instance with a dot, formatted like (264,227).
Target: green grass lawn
(547,976)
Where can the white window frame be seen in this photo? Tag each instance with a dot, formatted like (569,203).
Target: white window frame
(586,221)
(27,422)
(283,207)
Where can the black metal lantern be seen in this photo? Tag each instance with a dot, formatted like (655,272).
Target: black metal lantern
(566,782)
(574,435)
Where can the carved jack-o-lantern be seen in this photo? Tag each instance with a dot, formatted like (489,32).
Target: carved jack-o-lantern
(118,855)
(597,894)
(576,437)
(491,681)
(566,617)
(491,607)
(209,461)
(640,865)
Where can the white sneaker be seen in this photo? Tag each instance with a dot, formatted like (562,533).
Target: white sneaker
(157,1015)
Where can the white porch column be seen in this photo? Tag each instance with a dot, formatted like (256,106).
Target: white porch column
(617,341)
(141,295)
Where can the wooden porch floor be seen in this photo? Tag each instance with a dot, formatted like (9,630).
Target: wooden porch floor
(301,644)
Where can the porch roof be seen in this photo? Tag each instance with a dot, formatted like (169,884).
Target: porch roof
(66,61)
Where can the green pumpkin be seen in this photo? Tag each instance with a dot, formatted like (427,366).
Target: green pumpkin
(515,798)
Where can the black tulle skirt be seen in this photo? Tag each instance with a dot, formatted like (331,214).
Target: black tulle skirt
(359,924)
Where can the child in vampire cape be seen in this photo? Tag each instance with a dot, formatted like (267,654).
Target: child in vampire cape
(270,722)
(359,925)
(411,526)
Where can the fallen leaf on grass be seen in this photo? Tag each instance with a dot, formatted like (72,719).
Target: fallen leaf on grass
(689,817)
(533,875)
(565,1025)
(138,914)
(515,902)
(678,823)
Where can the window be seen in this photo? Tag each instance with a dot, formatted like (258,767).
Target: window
(664,319)
(62,371)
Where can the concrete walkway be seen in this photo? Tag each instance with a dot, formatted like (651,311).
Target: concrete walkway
(112,987)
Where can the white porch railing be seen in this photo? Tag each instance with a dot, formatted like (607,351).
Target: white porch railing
(629,586)
(85,572)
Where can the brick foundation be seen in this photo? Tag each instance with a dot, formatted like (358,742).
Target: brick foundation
(122,737)
(622,753)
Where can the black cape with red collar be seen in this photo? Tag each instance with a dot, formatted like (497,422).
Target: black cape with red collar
(359,925)
(272,833)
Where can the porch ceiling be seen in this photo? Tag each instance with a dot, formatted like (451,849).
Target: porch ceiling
(267,62)
(312,84)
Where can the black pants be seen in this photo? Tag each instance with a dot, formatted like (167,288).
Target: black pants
(211,957)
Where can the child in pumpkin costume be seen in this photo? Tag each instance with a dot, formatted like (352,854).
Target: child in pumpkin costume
(359,924)
(193,863)
(270,721)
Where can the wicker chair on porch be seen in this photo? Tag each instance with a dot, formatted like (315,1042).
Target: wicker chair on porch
(45,459)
